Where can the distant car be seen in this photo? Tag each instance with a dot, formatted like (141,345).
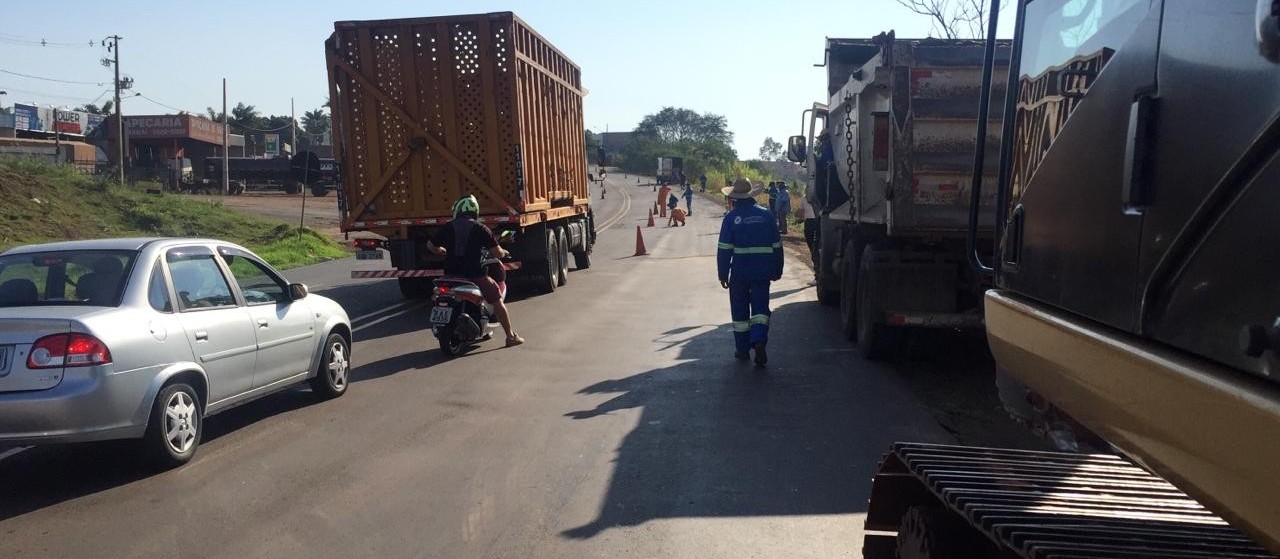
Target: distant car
(144,338)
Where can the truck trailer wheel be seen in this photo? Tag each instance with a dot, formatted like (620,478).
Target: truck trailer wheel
(875,339)
(562,257)
(292,187)
(549,274)
(581,259)
(319,191)
(936,533)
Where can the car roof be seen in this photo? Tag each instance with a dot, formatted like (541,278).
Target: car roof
(128,243)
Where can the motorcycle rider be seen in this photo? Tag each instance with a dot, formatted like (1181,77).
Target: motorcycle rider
(460,243)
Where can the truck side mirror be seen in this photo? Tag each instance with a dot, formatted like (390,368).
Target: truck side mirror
(796,149)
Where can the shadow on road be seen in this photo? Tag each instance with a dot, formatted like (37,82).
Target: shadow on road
(47,475)
(722,438)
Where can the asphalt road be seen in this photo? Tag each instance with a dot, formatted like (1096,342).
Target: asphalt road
(623,428)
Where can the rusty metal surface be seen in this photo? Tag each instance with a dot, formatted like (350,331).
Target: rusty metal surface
(1043,505)
(429,109)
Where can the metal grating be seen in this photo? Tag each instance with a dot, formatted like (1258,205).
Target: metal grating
(1048,505)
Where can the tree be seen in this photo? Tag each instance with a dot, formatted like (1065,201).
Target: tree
(954,19)
(673,125)
(215,116)
(316,122)
(593,147)
(93,109)
(246,116)
(771,150)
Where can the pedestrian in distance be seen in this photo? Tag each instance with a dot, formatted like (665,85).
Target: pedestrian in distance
(748,258)
(688,199)
(672,201)
(783,207)
(702,183)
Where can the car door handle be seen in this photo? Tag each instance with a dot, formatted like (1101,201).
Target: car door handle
(202,336)
(262,323)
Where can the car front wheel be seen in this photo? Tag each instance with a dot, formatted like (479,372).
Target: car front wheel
(335,365)
(176,425)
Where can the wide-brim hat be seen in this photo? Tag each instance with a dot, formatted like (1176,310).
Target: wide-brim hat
(742,188)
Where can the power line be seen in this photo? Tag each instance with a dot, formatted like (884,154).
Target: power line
(19,74)
(16,40)
(45,94)
(172,108)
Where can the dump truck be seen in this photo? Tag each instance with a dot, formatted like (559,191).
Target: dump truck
(889,156)
(428,110)
(1134,303)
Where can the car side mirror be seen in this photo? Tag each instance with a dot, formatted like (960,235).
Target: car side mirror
(297,291)
(796,149)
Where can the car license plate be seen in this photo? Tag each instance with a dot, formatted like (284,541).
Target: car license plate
(441,315)
(369,255)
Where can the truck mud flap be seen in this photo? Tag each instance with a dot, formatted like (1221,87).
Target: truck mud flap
(1047,504)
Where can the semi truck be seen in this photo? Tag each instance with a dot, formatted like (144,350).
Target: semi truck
(889,156)
(289,174)
(1134,301)
(428,110)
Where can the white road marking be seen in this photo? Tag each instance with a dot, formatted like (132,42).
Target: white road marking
(625,209)
(13,452)
(379,311)
(388,317)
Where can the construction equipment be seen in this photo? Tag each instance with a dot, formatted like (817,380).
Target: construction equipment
(889,156)
(1135,302)
(427,110)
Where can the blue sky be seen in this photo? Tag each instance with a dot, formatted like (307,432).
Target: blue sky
(751,61)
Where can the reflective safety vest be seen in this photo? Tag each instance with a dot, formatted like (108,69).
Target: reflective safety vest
(750,248)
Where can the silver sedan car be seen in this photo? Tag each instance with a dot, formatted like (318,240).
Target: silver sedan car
(144,338)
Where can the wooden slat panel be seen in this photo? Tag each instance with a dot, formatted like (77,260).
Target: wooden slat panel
(417,160)
(490,98)
(372,160)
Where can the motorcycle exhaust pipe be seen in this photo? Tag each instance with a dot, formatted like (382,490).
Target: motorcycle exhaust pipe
(467,327)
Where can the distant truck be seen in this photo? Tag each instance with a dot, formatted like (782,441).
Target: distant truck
(492,110)
(275,173)
(670,170)
(893,195)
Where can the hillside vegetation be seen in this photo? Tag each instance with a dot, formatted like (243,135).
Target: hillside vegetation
(42,203)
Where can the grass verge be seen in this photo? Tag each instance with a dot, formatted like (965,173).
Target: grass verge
(40,203)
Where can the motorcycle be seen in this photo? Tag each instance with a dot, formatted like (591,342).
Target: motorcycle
(460,317)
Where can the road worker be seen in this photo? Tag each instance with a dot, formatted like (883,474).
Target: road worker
(748,257)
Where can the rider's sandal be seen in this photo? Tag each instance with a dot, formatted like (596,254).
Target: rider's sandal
(514,340)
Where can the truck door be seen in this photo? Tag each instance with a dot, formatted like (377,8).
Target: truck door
(1068,242)
(1209,252)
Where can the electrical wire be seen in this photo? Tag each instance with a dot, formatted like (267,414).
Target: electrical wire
(11,90)
(17,40)
(172,108)
(19,74)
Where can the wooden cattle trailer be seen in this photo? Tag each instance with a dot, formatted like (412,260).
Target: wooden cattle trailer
(427,110)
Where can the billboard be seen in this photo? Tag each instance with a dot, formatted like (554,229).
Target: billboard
(49,119)
(272,143)
(173,126)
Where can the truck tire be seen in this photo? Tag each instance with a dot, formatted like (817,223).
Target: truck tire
(581,259)
(875,340)
(415,288)
(292,187)
(319,191)
(828,278)
(549,273)
(936,533)
(562,257)
(849,295)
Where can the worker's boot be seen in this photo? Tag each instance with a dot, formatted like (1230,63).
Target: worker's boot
(762,357)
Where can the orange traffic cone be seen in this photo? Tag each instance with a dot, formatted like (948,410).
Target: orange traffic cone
(650,219)
(640,251)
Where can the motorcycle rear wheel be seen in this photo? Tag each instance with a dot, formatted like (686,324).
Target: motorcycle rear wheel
(451,343)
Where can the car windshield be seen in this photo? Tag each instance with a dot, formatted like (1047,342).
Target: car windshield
(68,277)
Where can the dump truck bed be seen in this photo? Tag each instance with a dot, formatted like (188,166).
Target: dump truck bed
(429,109)
(915,109)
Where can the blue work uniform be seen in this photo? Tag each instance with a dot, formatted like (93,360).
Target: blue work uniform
(748,257)
(688,199)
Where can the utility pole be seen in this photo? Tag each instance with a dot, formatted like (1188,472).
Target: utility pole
(114,48)
(226,145)
(293,139)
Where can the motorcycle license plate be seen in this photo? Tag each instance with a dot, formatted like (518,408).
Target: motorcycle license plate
(441,315)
